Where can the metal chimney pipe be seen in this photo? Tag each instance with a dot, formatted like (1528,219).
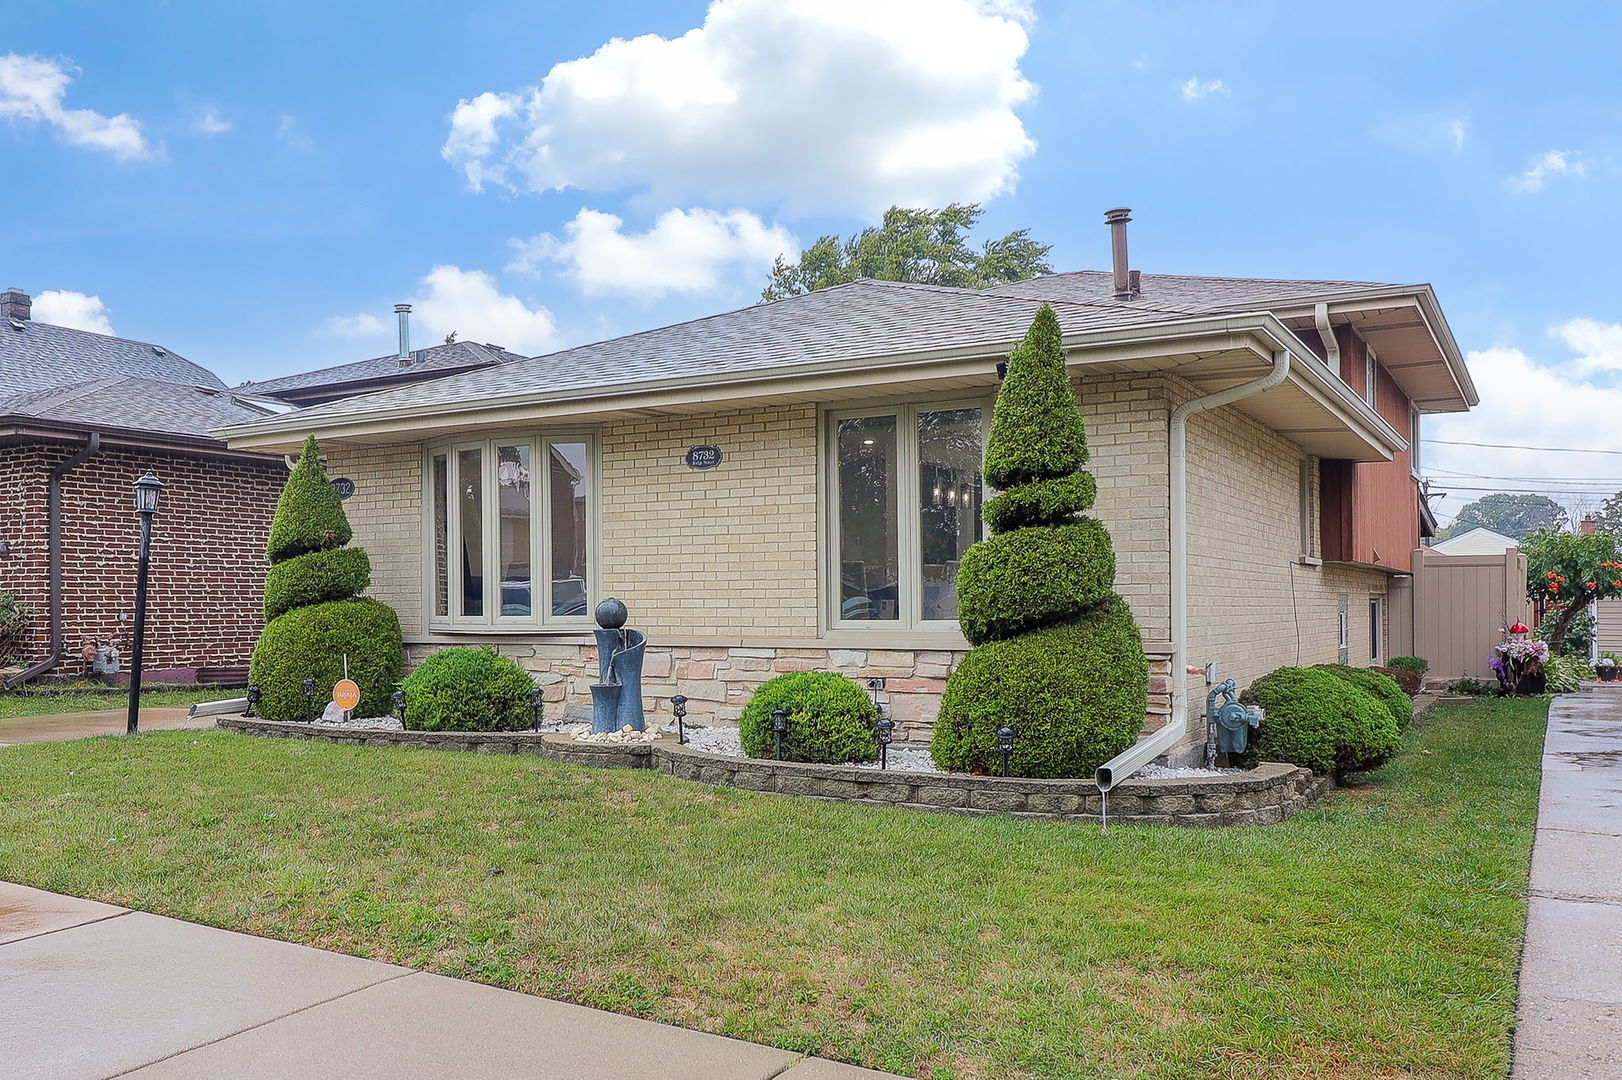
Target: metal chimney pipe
(403,313)
(1116,219)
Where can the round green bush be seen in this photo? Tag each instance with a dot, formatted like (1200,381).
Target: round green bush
(309,514)
(311,643)
(1030,578)
(1417,665)
(1383,688)
(315,578)
(468,689)
(1317,719)
(1041,502)
(830,719)
(1077,694)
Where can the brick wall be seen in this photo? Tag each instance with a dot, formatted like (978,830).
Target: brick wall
(206,586)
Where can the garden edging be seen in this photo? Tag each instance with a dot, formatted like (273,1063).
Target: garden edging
(1269,793)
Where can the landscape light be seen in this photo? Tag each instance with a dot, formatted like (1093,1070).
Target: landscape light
(535,708)
(779,725)
(678,705)
(1005,744)
(886,730)
(254,694)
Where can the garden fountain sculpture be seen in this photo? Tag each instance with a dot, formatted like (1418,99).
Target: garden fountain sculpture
(616,698)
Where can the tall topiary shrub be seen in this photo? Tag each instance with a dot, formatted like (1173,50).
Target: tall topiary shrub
(1057,653)
(317,617)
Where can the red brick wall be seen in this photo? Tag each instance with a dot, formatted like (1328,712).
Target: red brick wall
(206,589)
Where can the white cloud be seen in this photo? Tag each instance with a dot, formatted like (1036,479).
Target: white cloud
(1598,345)
(685,251)
(64,307)
(1459,129)
(288,133)
(1194,89)
(32,89)
(211,123)
(823,104)
(466,301)
(1547,164)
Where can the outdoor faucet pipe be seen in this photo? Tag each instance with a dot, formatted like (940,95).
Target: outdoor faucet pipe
(1146,750)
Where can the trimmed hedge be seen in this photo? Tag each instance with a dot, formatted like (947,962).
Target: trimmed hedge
(830,719)
(1317,719)
(311,643)
(309,514)
(315,578)
(1036,431)
(468,689)
(1383,688)
(1029,578)
(1077,694)
(1041,502)
(1416,664)
(1405,679)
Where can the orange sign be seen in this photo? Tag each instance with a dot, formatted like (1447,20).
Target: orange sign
(345,694)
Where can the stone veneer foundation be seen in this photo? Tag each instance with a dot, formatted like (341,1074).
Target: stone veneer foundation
(718,681)
(1267,794)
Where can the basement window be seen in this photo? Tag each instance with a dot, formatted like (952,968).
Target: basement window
(511,532)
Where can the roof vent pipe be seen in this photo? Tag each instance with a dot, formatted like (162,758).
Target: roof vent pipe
(1116,219)
(403,313)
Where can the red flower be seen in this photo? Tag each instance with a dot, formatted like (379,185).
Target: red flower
(1588,584)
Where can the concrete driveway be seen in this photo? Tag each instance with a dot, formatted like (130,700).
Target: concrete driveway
(80,725)
(89,992)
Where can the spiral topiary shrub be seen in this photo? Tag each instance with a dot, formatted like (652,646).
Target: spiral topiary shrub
(830,719)
(317,621)
(468,689)
(1317,719)
(1382,688)
(1057,655)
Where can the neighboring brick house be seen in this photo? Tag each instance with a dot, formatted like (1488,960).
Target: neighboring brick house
(84,415)
(791,485)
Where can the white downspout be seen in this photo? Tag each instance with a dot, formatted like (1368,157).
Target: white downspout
(1326,334)
(1146,750)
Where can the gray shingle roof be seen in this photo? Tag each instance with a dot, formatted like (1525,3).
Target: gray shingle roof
(41,355)
(1194,294)
(135,404)
(458,354)
(847,322)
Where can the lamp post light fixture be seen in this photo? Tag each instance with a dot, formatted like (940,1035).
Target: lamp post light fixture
(399,707)
(309,701)
(1005,744)
(147,489)
(779,725)
(535,708)
(254,694)
(886,732)
(678,705)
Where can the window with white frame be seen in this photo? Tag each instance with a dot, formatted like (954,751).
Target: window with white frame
(511,532)
(1371,366)
(1375,633)
(905,492)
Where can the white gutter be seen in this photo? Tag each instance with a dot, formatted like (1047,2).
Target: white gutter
(1146,750)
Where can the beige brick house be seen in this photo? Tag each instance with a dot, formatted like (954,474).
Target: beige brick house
(791,485)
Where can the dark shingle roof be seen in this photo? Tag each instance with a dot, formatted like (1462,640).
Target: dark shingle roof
(846,322)
(458,354)
(135,404)
(1194,294)
(40,355)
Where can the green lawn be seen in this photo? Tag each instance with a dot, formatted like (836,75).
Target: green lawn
(1373,936)
(46,703)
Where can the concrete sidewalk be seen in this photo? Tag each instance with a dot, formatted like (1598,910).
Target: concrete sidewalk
(80,725)
(92,991)
(1569,1019)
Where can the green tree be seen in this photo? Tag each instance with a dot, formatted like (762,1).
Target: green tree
(1512,515)
(1608,518)
(318,621)
(1057,654)
(1565,571)
(929,247)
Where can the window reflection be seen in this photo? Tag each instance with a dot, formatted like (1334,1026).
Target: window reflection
(869,585)
(470,477)
(570,484)
(512,480)
(949,498)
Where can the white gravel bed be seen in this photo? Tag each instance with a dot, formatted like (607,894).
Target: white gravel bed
(366,723)
(1164,772)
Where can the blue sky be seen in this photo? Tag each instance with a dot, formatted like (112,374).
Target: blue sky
(255,184)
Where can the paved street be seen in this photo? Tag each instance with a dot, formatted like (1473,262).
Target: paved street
(79,725)
(89,992)
(1569,1023)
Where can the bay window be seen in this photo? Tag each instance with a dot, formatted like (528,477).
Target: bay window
(906,491)
(511,532)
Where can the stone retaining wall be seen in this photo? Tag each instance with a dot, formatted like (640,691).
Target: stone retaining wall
(1269,793)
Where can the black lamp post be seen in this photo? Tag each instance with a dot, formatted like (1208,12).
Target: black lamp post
(1005,744)
(535,708)
(779,725)
(399,707)
(678,705)
(886,730)
(146,504)
(254,694)
(309,700)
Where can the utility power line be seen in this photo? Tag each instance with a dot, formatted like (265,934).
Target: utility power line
(1520,446)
